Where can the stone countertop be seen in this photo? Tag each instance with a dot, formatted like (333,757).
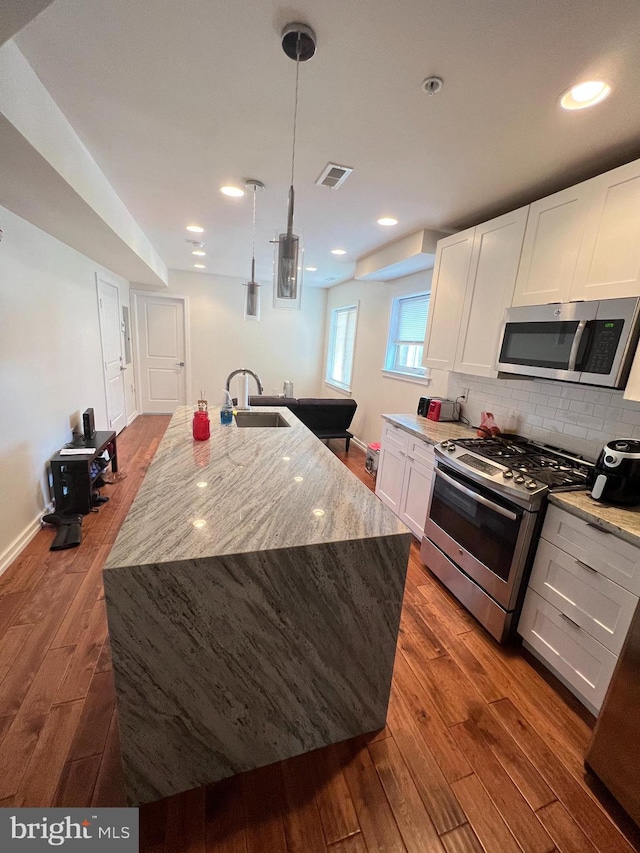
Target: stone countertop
(621,521)
(255,489)
(432,432)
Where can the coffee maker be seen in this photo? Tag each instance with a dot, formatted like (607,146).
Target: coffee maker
(616,475)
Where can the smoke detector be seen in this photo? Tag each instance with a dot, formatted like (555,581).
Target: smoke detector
(432,85)
(333,176)
(197,244)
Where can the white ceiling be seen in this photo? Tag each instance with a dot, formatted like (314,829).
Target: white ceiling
(174,99)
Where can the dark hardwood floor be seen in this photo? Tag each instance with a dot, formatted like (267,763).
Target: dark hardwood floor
(482,749)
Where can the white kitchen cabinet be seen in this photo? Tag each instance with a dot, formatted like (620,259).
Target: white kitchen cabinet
(391,464)
(583,664)
(583,242)
(489,291)
(609,261)
(450,273)
(551,246)
(404,476)
(416,487)
(579,603)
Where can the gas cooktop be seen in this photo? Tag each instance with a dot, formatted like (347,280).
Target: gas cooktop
(517,466)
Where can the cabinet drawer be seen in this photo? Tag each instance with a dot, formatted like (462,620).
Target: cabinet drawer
(393,436)
(596,603)
(420,451)
(612,557)
(582,662)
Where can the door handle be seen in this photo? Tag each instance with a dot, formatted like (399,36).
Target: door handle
(585,566)
(573,355)
(571,622)
(476,497)
(122,368)
(179,363)
(598,528)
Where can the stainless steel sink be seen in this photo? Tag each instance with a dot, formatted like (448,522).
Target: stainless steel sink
(260,419)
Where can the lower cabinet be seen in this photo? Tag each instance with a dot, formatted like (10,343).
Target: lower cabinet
(575,617)
(404,476)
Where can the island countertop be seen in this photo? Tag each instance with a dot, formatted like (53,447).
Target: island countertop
(267,630)
(255,489)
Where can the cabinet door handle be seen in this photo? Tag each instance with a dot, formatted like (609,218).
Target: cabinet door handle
(571,622)
(402,453)
(411,459)
(598,528)
(585,566)
(179,363)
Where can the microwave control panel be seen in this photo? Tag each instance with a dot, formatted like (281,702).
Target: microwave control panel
(603,346)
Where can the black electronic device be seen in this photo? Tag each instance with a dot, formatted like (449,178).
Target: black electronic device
(423,406)
(616,476)
(88,424)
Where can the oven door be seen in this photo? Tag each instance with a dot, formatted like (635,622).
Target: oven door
(485,535)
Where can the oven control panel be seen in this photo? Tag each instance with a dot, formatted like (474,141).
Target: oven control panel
(503,478)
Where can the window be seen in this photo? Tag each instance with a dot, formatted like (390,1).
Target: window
(406,334)
(342,339)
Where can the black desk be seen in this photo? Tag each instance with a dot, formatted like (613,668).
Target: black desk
(72,476)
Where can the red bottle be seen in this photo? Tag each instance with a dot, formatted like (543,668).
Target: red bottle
(201,423)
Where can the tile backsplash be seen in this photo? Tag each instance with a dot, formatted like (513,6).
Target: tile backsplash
(579,418)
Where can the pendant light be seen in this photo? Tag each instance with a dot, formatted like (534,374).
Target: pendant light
(299,43)
(252,298)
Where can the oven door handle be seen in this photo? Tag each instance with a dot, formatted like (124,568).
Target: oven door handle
(573,355)
(482,500)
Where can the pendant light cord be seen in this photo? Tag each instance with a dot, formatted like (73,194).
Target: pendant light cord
(295,109)
(253,241)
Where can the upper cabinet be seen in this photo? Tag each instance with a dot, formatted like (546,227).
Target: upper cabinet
(609,261)
(551,246)
(473,281)
(450,272)
(583,242)
(489,291)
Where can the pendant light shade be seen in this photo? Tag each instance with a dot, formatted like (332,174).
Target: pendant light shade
(252,296)
(299,43)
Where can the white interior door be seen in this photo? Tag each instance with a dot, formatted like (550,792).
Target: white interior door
(112,362)
(161,353)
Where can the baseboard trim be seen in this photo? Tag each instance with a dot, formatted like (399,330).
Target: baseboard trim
(359,443)
(132,418)
(22,540)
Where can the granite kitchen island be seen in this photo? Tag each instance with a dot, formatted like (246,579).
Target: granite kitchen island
(253,601)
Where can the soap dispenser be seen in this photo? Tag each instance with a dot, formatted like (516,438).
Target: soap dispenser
(226,410)
(201,423)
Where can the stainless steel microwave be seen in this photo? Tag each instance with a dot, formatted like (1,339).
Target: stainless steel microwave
(588,342)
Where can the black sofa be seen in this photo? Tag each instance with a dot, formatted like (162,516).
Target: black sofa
(325,417)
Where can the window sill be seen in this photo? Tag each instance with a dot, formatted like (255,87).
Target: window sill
(406,377)
(346,391)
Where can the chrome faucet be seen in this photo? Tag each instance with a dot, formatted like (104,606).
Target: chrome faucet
(243,401)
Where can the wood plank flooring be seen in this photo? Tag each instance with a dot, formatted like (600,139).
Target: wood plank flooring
(482,749)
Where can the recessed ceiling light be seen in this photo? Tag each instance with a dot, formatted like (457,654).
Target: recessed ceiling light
(387,220)
(195,229)
(234,192)
(585,95)
(338,252)
(311,269)
(200,266)
(199,253)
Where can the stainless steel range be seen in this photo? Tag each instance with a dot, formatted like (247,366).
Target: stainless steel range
(487,504)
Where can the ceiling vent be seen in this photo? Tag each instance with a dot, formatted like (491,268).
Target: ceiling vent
(333,176)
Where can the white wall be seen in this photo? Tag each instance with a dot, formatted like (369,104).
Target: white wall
(50,366)
(375,393)
(281,345)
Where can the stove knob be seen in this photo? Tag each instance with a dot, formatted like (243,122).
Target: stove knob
(531,485)
(518,479)
(507,474)
(451,447)
(444,445)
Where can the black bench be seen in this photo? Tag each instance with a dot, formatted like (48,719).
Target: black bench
(325,417)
